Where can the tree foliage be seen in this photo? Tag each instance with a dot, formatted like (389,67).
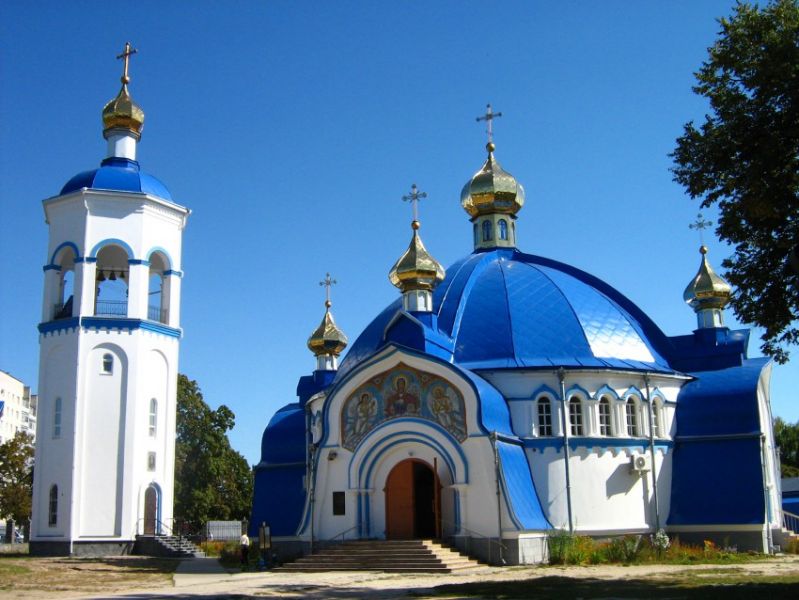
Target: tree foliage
(212,481)
(16,477)
(744,158)
(787,439)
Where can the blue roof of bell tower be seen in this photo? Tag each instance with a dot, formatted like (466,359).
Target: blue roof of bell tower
(118,174)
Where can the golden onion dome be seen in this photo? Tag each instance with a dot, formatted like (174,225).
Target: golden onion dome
(123,113)
(492,190)
(327,339)
(707,290)
(416,269)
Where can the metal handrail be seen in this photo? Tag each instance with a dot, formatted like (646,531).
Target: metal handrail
(790,521)
(159,527)
(491,540)
(343,533)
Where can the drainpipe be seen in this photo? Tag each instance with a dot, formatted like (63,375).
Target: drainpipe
(309,471)
(499,497)
(766,495)
(652,451)
(312,489)
(566,451)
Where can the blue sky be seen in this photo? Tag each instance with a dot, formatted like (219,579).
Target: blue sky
(292,130)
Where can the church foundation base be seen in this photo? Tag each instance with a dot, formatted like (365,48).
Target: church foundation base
(524,550)
(744,541)
(86,549)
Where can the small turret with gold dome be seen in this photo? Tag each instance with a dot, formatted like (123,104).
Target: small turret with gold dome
(123,119)
(492,197)
(327,341)
(416,272)
(707,294)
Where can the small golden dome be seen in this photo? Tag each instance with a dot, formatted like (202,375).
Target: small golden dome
(492,190)
(416,269)
(327,339)
(707,290)
(123,113)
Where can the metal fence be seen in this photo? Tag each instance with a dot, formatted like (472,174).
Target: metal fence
(223,530)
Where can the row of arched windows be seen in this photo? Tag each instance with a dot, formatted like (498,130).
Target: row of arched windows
(111,284)
(606,422)
(487,231)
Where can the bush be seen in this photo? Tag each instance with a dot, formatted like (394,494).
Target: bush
(625,550)
(568,549)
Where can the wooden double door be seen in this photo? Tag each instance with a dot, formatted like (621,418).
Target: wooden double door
(413,501)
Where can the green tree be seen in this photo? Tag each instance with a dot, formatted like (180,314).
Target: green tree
(212,481)
(787,439)
(744,158)
(16,477)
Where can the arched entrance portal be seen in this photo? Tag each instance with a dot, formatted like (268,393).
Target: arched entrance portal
(150,511)
(413,501)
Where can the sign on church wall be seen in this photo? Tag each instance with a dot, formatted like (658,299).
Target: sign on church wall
(402,392)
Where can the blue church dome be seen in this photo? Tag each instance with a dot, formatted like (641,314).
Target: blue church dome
(502,309)
(118,174)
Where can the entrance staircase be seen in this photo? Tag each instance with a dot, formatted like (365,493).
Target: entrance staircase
(170,546)
(394,556)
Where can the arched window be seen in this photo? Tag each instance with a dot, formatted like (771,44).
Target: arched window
(503,229)
(544,416)
(631,417)
(158,291)
(605,422)
(108,364)
(487,237)
(576,416)
(52,512)
(153,417)
(111,282)
(475,232)
(657,428)
(57,418)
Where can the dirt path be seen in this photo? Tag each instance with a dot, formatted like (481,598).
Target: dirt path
(126,578)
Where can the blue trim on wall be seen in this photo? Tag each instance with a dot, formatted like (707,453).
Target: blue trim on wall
(108,242)
(163,251)
(365,479)
(174,272)
(138,261)
(594,442)
(51,267)
(577,389)
(63,245)
(86,259)
(544,389)
(633,391)
(99,323)
(606,390)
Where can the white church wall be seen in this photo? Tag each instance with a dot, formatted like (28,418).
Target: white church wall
(101,434)
(53,467)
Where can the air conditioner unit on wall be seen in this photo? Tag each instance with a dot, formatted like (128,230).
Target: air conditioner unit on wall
(639,463)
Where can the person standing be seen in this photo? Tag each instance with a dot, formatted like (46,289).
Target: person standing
(245,549)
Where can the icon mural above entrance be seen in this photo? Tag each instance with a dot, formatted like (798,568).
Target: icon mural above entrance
(402,392)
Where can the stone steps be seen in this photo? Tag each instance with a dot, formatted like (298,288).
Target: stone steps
(391,556)
(168,546)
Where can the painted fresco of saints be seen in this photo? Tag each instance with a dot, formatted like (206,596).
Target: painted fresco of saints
(445,413)
(365,411)
(401,402)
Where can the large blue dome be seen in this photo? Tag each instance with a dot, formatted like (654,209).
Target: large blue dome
(504,309)
(118,174)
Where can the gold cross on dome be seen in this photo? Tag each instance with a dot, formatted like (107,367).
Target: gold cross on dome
(129,51)
(489,117)
(414,198)
(700,225)
(328,282)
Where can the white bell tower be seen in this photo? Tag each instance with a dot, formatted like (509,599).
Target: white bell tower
(109,340)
